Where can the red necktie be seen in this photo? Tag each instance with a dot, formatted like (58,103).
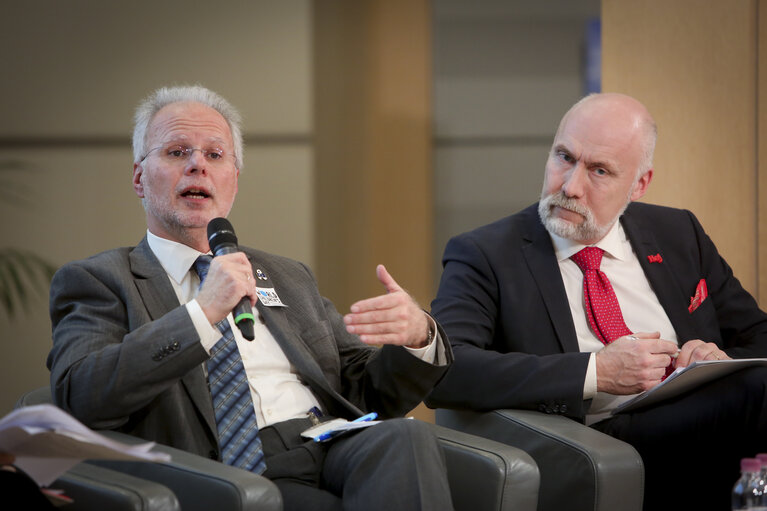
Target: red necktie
(602,307)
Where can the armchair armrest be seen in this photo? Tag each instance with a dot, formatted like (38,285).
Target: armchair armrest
(98,488)
(198,482)
(487,475)
(581,468)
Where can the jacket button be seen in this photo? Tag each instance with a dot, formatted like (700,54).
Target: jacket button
(542,408)
(176,345)
(563,409)
(213,455)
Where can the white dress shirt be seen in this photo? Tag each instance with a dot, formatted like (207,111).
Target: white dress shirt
(275,388)
(642,312)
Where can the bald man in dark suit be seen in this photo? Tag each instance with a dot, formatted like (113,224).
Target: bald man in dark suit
(513,302)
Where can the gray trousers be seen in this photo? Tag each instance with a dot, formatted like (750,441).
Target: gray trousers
(397,464)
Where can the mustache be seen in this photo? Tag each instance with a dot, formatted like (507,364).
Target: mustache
(561,200)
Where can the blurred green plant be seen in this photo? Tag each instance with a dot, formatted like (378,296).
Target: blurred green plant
(23,274)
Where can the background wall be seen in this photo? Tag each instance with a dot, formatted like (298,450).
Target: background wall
(504,73)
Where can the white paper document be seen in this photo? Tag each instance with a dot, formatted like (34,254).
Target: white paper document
(47,442)
(326,430)
(687,378)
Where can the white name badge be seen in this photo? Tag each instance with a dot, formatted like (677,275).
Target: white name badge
(268,297)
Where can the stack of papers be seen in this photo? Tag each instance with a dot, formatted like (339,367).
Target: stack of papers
(688,378)
(47,442)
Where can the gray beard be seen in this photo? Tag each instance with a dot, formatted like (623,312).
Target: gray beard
(587,230)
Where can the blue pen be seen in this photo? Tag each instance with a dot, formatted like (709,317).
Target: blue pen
(324,436)
(366,418)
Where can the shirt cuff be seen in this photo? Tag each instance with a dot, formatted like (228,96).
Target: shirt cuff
(209,334)
(434,352)
(590,384)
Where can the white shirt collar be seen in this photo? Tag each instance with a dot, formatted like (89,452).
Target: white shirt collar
(614,244)
(175,258)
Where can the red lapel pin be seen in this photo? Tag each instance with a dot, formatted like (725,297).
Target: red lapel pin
(655,258)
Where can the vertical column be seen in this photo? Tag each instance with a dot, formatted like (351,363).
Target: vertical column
(373,146)
(694,65)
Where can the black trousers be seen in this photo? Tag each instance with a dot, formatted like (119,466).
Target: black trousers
(397,464)
(20,492)
(691,445)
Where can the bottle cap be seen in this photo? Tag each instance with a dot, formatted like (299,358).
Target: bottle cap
(750,465)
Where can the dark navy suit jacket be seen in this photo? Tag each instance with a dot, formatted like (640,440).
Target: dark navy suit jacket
(503,305)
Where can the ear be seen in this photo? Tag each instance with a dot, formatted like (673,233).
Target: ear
(236,180)
(138,186)
(640,187)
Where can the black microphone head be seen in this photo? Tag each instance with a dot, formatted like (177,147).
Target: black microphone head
(220,232)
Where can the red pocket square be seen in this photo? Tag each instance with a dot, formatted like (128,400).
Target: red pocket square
(701,292)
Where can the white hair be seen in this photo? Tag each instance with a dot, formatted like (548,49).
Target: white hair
(164,96)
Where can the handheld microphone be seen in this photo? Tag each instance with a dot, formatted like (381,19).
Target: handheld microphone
(222,240)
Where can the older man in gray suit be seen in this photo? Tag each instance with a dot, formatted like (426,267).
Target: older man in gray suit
(143,339)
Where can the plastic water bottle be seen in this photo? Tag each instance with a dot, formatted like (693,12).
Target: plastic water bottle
(749,489)
(762,457)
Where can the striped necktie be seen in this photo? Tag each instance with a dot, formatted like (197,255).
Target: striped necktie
(235,416)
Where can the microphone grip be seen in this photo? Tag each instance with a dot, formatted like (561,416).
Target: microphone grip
(242,312)
(243,318)
(222,241)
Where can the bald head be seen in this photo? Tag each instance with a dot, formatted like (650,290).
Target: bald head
(622,110)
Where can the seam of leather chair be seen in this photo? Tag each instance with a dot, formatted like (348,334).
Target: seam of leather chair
(562,441)
(545,432)
(487,453)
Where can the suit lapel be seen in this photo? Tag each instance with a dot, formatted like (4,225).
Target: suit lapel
(159,299)
(152,282)
(544,268)
(298,353)
(660,276)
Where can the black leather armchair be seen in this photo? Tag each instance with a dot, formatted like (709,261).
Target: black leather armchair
(580,468)
(93,487)
(484,475)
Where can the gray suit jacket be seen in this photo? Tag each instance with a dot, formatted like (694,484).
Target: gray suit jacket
(126,355)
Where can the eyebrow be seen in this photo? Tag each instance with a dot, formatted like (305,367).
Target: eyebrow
(597,163)
(217,140)
(183,139)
